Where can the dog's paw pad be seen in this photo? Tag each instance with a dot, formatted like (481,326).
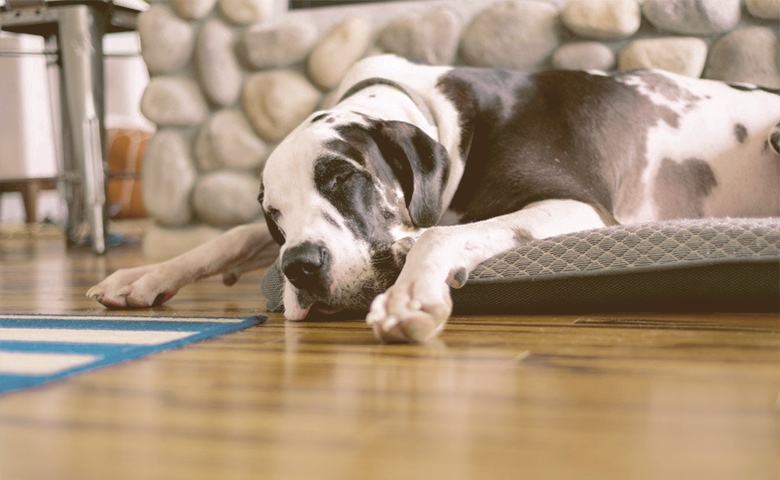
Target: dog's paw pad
(132,288)
(395,317)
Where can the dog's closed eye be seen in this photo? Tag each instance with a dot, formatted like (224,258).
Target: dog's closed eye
(339,179)
(332,174)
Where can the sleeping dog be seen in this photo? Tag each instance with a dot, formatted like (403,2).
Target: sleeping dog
(420,173)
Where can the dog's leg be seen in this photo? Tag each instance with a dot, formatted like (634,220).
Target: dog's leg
(239,250)
(417,306)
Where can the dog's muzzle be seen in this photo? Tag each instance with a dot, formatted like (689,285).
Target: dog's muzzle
(310,270)
(307,267)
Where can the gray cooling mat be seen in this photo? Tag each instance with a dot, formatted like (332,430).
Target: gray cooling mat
(683,265)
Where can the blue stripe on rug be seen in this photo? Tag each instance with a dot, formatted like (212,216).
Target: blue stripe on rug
(37,349)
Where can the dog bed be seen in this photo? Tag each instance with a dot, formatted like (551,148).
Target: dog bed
(703,265)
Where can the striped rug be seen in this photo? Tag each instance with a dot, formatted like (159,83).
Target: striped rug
(36,349)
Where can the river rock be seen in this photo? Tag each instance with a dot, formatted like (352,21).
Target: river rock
(169,177)
(277,101)
(193,9)
(584,56)
(218,69)
(243,12)
(602,19)
(748,55)
(329,100)
(226,198)
(513,34)
(227,140)
(683,55)
(273,46)
(431,38)
(338,50)
(173,101)
(695,17)
(166,40)
(764,8)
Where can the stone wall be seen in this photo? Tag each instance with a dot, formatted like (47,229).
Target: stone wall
(230,78)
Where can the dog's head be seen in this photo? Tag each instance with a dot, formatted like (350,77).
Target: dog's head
(346,195)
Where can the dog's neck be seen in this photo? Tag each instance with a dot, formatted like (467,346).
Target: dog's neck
(398,103)
(418,101)
(408,93)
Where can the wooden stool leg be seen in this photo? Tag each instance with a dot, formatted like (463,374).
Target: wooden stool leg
(29,192)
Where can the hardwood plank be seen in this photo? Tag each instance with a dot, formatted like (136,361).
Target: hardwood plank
(634,396)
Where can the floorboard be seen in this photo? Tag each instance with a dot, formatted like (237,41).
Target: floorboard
(634,396)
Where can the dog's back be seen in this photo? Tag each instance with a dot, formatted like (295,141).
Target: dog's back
(713,158)
(646,145)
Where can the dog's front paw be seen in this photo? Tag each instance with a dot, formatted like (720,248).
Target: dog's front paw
(415,312)
(140,287)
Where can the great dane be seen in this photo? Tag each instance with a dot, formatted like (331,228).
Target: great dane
(389,199)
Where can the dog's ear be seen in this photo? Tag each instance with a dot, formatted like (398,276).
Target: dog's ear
(272,227)
(420,164)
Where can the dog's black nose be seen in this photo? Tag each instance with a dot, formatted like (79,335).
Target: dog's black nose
(306,265)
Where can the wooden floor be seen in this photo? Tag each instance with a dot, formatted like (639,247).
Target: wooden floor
(591,397)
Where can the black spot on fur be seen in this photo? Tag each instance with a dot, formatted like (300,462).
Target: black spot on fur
(605,215)
(553,134)
(740,131)
(400,153)
(270,215)
(522,236)
(680,188)
(319,117)
(774,141)
(459,277)
(330,219)
(351,190)
(744,87)
(664,86)
(351,147)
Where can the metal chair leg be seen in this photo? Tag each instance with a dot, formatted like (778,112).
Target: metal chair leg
(80,33)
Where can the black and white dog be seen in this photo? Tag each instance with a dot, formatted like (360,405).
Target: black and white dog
(420,173)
